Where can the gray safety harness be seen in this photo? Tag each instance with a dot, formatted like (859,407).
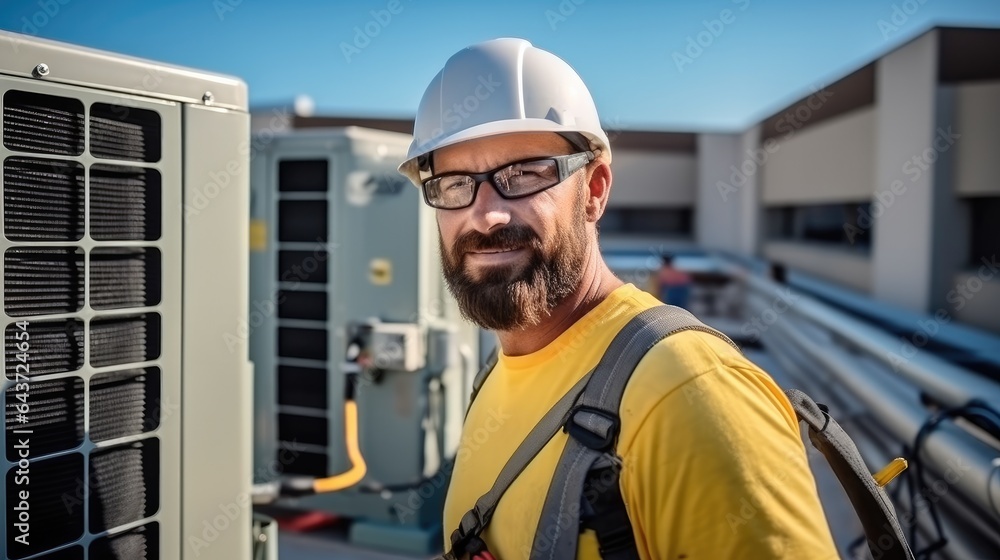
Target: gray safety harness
(585,492)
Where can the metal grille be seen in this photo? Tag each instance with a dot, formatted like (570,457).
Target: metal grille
(123,340)
(55,503)
(86,485)
(119,132)
(124,403)
(141,543)
(43,200)
(302,334)
(124,484)
(54,421)
(41,281)
(56,347)
(124,203)
(45,124)
(121,277)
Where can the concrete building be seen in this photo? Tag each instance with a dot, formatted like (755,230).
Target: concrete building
(886,181)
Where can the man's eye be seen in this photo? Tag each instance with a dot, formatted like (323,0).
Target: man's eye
(452,183)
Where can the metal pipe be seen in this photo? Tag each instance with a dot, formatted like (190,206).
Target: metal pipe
(952,385)
(947,449)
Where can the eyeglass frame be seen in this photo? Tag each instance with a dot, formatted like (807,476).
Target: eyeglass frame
(564,165)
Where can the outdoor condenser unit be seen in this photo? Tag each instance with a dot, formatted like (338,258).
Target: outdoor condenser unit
(345,280)
(127,390)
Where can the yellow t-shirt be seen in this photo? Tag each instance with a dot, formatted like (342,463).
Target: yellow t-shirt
(714,466)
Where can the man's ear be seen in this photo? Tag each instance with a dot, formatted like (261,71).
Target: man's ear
(599,188)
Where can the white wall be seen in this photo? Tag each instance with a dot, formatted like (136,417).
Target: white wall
(979,310)
(833,161)
(977,119)
(843,266)
(652,179)
(727,212)
(905,90)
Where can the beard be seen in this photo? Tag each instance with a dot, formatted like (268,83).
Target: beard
(512,297)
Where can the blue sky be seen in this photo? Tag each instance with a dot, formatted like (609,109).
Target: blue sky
(374,57)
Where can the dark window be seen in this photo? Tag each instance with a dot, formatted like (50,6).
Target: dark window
(984,229)
(655,221)
(847,224)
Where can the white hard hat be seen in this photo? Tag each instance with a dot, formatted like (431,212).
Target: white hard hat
(497,87)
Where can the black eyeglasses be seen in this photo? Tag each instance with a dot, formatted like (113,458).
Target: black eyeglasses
(451,191)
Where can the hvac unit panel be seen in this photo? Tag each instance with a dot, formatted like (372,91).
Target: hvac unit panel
(92,252)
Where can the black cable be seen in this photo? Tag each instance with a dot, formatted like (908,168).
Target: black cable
(977,412)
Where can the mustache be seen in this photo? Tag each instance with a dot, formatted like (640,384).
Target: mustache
(506,238)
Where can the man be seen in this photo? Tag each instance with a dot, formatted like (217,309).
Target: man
(508,147)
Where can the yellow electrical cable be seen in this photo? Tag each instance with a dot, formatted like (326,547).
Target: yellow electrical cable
(358,467)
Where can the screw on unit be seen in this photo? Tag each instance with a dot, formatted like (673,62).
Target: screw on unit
(41,70)
(208,98)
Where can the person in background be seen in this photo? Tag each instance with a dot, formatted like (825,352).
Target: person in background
(674,284)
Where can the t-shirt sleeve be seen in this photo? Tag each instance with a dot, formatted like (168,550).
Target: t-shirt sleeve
(718,469)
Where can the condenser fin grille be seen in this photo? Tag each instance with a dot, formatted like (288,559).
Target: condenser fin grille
(129,133)
(122,340)
(124,203)
(125,403)
(122,277)
(43,200)
(50,417)
(124,484)
(141,543)
(42,281)
(47,124)
(80,241)
(56,503)
(54,347)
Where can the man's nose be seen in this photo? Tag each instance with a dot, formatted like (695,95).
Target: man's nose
(489,210)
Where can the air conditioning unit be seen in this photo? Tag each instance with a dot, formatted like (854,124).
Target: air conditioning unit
(127,390)
(346,281)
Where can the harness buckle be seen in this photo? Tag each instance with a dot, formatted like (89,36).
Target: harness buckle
(600,437)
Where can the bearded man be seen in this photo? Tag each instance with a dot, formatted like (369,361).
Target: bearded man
(509,150)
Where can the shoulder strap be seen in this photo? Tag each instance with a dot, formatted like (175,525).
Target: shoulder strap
(870,501)
(480,379)
(593,425)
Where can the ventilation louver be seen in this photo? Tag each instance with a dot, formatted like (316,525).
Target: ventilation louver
(80,348)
